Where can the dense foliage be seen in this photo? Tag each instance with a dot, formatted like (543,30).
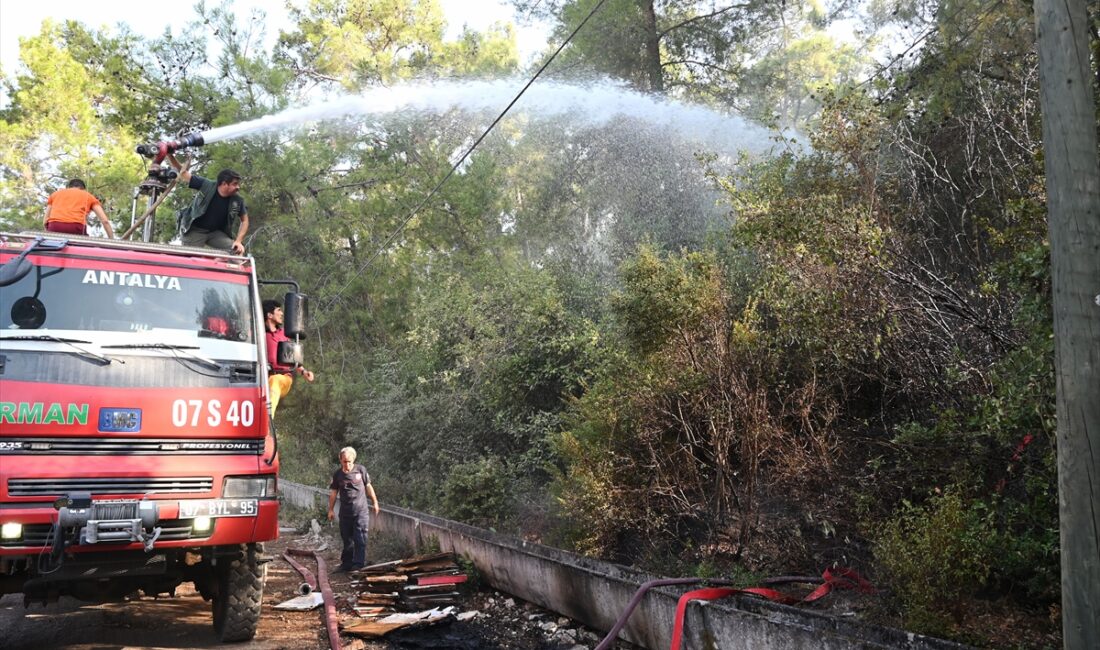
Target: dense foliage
(848,362)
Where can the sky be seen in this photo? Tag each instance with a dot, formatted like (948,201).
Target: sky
(21,18)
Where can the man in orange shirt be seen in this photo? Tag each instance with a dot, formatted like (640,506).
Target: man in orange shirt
(67,210)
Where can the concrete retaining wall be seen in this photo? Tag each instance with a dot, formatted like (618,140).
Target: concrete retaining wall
(596,593)
(302,496)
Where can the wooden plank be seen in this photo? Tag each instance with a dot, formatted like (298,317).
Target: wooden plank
(376,599)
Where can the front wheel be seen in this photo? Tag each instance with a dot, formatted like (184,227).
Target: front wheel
(240,594)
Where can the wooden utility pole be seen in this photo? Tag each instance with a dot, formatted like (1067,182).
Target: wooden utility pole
(1073,205)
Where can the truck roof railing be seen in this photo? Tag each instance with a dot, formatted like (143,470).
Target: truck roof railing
(83,240)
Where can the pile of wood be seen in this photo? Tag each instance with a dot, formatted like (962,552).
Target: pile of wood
(413,584)
(383,624)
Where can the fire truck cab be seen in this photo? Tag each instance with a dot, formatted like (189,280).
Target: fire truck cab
(136,447)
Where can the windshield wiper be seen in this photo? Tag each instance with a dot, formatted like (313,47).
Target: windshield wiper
(242,372)
(70,342)
(173,348)
(42,337)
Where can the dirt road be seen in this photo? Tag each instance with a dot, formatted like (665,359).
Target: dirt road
(184,622)
(169,623)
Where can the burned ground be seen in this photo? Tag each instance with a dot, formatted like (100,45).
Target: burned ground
(184,621)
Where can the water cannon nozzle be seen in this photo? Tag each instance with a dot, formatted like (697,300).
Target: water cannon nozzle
(189,140)
(157,151)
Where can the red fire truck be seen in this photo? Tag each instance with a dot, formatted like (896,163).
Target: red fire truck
(136,450)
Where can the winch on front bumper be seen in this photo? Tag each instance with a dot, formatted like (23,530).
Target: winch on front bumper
(109,521)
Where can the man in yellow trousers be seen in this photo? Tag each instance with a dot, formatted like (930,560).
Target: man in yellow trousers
(280,377)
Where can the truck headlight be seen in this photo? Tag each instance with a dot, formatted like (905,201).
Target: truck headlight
(238,487)
(11,530)
(201,524)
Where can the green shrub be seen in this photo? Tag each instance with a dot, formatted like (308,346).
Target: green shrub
(477,492)
(304,457)
(1027,545)
(934,556)
(475,580)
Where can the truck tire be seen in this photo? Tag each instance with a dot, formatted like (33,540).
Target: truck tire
(240,595)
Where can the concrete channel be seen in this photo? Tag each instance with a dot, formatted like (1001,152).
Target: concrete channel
(596,593)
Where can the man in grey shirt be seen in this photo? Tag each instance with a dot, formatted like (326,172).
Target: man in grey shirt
(351,484)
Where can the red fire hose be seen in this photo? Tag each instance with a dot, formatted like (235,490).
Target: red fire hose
(331,621)
(842,578)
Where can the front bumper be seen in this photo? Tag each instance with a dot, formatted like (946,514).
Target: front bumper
(171,527)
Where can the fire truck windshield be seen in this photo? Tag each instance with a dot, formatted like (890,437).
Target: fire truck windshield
(110,307)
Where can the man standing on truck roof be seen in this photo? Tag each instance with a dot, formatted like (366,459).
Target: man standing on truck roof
(351,484)
(67,210)
(280,377)
(217,210)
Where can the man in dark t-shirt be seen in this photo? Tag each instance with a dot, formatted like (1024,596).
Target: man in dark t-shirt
(216,213)
(351,485)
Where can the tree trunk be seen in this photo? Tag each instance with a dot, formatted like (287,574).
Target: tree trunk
(652,48)
(1073,203)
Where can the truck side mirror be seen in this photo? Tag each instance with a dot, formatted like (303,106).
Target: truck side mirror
(295,314)
(15,269)
(289,354)
(18,267)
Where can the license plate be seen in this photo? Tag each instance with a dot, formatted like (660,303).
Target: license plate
(218,508)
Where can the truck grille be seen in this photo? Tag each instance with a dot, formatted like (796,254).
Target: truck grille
(55,487)
(171,530)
